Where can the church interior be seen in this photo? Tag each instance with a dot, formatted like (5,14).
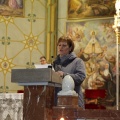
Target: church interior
(32,28)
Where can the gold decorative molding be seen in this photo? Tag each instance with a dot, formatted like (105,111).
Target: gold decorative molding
(51,34)
(116,27)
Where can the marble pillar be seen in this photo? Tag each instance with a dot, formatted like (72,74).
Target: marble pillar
(38,102)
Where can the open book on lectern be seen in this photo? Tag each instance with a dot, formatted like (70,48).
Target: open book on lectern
(43,66)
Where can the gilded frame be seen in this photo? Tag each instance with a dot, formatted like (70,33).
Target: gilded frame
(13,8)
(78,9)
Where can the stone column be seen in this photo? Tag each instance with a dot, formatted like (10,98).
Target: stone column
(117,31)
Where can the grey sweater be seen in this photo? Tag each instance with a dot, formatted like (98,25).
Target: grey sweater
(75,67)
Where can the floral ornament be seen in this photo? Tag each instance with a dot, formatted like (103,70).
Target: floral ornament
(6,19)
(31,17)
(6,65)
(30,65)
(31,42)
(6,41)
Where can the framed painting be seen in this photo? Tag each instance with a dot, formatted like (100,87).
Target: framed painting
(95,44)
(78,9)
(11,8)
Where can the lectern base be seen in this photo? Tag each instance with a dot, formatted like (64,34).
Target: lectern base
(67,106)
(67,101)
(38,102)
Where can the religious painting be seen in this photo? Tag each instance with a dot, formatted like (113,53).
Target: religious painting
(95,44)
(11,8)
(90,8)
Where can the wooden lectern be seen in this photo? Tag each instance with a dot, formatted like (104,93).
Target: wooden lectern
(39,89)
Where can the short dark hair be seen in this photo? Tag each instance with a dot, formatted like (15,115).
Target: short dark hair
(42,57)
(68,40)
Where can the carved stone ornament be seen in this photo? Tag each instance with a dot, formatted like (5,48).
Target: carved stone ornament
(68,86)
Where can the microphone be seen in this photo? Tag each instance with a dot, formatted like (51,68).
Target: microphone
(51,66)
(52,57)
